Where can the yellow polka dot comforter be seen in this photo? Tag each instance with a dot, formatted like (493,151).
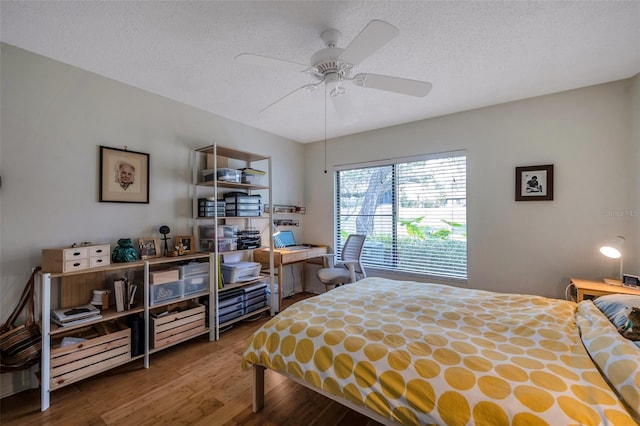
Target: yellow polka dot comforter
(418,353)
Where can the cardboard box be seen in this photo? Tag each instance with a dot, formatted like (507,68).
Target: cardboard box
(164,276)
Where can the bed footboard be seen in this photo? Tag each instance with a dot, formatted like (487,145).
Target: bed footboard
(258,388)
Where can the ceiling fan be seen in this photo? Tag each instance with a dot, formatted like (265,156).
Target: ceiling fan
(333,66)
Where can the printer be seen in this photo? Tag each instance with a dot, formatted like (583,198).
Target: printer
(242,271)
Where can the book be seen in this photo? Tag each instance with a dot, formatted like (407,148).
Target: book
(64,315)
(76,322)
(253,171)
(132,294)
(118,289)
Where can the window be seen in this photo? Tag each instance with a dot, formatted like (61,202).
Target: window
(413,212)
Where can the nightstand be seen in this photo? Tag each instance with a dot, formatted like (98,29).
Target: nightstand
(593,289)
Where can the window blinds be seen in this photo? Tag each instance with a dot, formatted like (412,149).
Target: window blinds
(413,212)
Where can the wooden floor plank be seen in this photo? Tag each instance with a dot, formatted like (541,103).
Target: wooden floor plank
(196,382)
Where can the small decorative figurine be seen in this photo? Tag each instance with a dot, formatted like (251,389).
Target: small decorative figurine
(180,248)
(124,251)
(164,230)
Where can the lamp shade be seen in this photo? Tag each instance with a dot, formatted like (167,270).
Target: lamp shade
(613,249)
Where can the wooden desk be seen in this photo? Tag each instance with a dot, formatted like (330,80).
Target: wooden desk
(282,257)
(598,288)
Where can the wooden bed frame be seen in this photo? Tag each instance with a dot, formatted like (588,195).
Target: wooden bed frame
(258,395)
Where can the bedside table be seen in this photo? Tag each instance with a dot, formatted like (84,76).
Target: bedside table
(598,288)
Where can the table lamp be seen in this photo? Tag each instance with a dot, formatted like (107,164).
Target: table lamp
(613,250)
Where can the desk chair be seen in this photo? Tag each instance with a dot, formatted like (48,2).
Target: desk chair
(348,269)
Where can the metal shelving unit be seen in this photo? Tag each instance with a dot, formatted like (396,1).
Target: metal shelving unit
(212,158)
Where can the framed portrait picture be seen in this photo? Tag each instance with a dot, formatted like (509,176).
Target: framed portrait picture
(149,247)
(534,183)
(124,176)
(187,243)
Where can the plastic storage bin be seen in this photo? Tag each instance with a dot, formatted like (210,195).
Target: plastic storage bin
(230,297)
(230,175)
(195,284)
(194,268)
(233,209)
(222,231)
(231,312)
(242,198)
(207,175)
(224,244)
(165,292)
(207,207)
(230,305)
(254,179)
(223,174)
(227,244)
(255,297)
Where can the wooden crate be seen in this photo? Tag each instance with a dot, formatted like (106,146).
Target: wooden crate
(81,360)
(178,326)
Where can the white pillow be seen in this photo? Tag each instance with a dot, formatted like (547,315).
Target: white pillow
(616,307)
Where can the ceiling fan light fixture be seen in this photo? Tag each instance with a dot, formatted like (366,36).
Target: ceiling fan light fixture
(332,81)
(337,91)
(360,80)
(310,88)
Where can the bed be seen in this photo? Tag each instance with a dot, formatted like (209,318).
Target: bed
(415,353)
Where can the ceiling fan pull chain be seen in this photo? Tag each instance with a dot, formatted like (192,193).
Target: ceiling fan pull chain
(325,129)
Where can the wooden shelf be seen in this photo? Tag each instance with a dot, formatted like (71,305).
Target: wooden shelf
(130,265)
(229,217)
(232,153)
(236,185)
(107,315)
(231,286)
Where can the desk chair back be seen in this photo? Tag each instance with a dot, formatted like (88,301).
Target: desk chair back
(349,268)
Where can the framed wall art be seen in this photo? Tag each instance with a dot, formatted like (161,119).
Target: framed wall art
(149,247)
(124,176)
(534,183)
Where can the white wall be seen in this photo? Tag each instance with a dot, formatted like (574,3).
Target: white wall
(634,262)
(527,247)
(54,117)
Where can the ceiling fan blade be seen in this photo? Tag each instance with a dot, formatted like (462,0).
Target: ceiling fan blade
(375,35)
(393,84)
(266,61)
(309,88)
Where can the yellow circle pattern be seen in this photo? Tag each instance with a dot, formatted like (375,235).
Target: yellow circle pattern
(420,353)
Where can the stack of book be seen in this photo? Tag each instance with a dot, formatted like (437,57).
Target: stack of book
(77,315)
(124,292)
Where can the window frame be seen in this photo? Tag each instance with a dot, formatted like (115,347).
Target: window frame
(394,162)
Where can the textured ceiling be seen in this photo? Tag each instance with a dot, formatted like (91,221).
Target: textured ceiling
(475,53)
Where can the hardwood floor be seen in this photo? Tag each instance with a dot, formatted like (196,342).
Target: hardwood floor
(194,383)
